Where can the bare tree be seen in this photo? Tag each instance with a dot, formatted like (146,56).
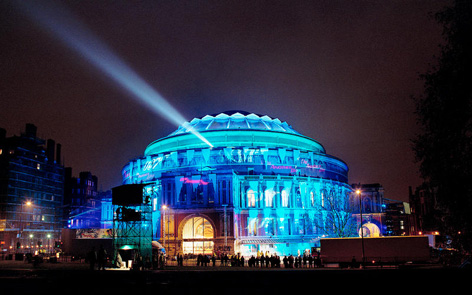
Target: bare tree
(335,215)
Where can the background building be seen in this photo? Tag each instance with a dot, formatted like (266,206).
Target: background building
(82,204)
(381,216)
(373,203)
(31,191)
(107,210)
(398,218)
(261,186)
(425,209)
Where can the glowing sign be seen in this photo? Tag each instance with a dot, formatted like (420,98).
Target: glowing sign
(309,166)
(278,167)
(152,164)
(193,181)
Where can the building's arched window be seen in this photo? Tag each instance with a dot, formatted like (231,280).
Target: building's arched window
(298,198)
(367,204)
(269,198)
(252,225)
(197,234)
(285,197)
(347,195)
(269,226)
(330,200)
(184,192)
(251,198)
(323,196)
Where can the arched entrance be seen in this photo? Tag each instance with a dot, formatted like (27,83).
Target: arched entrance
(197,235)
(369,230)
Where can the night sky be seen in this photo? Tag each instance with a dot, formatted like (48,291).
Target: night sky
(340,72)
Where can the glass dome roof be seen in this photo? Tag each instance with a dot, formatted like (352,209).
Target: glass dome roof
(235,120)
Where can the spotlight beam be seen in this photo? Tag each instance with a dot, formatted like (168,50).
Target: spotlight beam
(64,26)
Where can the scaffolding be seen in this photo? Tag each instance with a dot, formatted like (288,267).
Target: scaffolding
(132,224)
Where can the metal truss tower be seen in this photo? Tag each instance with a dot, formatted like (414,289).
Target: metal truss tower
(132,221)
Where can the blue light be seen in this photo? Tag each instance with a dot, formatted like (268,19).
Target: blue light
(78,37)
(281,189)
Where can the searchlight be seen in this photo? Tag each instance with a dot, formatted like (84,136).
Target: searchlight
(64,26)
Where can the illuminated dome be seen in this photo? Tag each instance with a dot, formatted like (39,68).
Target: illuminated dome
(235,120)
(239,182)
(235,128)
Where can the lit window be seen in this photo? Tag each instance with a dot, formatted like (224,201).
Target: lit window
(252,226)
(38,166)
(269,225)
(285,196)
(154,204)
(251,198)
(201,230)
(269,197)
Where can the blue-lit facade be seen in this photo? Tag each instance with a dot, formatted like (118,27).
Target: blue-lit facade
(261,186)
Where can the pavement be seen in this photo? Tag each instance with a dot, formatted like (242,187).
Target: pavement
(76,278)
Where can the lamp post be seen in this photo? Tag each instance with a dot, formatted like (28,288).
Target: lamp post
(21,226)
(31,236)
(358,192)
(164,207)
(225,226)
(49,247)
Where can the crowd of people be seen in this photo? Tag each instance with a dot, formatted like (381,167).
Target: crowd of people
(97,257)
(260,260)
(159,260)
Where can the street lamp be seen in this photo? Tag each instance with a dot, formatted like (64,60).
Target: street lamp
(358,192)
(31,236)
(164,207)
(49,239)
(21,226)
(225,226)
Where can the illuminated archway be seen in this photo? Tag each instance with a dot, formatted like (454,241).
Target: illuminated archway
(370,230)
(197,235)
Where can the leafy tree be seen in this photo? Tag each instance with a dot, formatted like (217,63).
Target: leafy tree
(444,112)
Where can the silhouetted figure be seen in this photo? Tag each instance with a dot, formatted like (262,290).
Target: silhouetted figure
(92,258)
(353,262)
(102,258)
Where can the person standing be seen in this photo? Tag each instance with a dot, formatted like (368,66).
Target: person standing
(213,259)
(102,258)
(92,258)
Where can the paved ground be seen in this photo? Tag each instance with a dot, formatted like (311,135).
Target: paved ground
(76,278)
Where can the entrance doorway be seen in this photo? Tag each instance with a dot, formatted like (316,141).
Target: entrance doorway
(197,235)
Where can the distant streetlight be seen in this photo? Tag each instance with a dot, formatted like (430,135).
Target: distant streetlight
(225,226)
(21,225)
(358,192)
(49,239)
(164,207)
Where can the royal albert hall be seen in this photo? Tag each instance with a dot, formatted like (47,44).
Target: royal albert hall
(260,186)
